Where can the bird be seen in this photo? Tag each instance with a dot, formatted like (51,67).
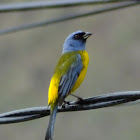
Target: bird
(68,75)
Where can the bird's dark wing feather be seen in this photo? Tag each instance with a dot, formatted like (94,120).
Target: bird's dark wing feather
(68,80)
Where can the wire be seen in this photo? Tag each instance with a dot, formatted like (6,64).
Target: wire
(69,17)
(102,101)
(36,5)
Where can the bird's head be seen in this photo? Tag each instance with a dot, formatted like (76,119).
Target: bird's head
(76,41)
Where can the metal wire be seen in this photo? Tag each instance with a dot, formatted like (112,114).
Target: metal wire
(102,101)
(68,17)
(35,5)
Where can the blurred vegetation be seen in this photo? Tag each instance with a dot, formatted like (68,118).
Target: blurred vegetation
(27,60)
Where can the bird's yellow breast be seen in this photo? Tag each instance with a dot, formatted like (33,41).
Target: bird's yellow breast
(54,84)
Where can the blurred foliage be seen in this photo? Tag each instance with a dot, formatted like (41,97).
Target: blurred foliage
(27,60)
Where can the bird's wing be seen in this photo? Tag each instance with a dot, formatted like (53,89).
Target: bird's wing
(68,80)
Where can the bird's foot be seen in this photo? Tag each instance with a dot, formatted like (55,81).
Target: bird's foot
(65,103)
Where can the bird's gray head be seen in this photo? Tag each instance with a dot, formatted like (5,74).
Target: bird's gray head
(76,41)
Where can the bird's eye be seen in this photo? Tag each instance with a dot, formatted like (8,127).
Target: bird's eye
(77,37)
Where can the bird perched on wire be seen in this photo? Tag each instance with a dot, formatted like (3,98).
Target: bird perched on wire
(68,75)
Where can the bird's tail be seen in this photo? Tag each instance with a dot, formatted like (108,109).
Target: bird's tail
(49,134)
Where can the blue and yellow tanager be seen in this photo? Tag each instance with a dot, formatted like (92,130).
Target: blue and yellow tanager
(69,73)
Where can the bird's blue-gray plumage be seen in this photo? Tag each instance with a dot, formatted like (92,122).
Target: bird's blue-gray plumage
(71,44)
(68,80)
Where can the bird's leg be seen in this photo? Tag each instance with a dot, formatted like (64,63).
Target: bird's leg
(79,98)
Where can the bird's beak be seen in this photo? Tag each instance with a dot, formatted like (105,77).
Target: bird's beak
(87,35)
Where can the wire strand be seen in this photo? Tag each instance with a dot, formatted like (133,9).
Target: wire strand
(102,101)
(68,17)
(36,5)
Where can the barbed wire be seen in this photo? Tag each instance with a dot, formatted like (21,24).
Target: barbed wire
(102,101)
(69,17)
(36,5)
